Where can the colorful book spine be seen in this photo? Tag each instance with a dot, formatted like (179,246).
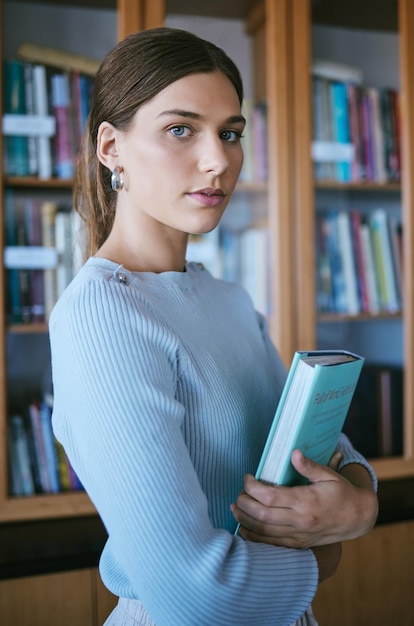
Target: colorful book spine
(341,126)
(19,457)
(48,219)
(41,107)
(16,146)
(64,163)
(346,251)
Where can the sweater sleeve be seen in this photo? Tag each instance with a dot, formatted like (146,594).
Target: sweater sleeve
(115,374)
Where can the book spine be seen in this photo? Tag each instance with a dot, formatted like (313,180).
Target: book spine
(34,230)
(48,219)
(49,447)
(23,272)
(380,174)
(384,259)
(63,140)
(335,261)
(370,269)
(355,218)
(348,263)
(324,275)
(341,126)
(41,106)
(254,267)
(30,110)
(64,249)
(39,448)
(14,304)
(22,484)
(16,146)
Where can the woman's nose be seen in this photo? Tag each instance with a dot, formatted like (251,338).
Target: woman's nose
(213,156)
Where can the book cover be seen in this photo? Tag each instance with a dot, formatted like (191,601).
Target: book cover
(311,412)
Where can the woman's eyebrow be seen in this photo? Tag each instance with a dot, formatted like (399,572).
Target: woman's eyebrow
(233,119)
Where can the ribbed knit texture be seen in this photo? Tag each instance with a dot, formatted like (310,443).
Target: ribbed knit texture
(165,386)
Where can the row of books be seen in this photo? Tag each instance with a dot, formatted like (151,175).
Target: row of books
(45,112)
(237,256)
(37,461)
(359,262)
(41,256)
(357,133)
(254,142)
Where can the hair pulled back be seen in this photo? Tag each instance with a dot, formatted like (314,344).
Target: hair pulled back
(133,72)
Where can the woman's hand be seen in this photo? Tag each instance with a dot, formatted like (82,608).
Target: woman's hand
(332,508)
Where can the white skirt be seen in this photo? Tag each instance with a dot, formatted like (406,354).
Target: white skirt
(132,613)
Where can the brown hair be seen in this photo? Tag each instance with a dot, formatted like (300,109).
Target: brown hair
(133,72)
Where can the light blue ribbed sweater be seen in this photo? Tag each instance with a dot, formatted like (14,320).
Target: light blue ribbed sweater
(165,386)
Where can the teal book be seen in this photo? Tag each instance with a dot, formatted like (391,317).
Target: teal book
(16,146)
(311,412)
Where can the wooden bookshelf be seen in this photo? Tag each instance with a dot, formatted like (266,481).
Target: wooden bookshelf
(280,32)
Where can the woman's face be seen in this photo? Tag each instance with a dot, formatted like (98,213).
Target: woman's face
(182,155)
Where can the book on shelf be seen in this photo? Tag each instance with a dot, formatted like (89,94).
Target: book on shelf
(45,114)
(40,257)
(37,461)
(254,265)
(332,70)
(359,262)
(383,254)
(16,146)
(341,127)
(356,130)
(21,477)
(41,107)
(311,412)
(349,268)
(30,110)
(64,152)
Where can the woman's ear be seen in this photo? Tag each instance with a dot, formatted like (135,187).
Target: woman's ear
(107,145)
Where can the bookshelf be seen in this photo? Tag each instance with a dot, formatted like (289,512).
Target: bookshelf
(391,334)
(280,44)
(24,348)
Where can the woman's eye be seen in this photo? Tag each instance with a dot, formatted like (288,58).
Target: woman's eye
(180,131)
(231,135)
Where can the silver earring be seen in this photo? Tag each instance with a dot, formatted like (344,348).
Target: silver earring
(117,180)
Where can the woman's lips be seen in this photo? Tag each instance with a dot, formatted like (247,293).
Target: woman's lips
(208,197)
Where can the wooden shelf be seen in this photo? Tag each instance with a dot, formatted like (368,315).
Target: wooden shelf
(380,187)
(362,317)
(34,181)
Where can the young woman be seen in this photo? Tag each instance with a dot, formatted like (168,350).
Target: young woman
(165,379)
